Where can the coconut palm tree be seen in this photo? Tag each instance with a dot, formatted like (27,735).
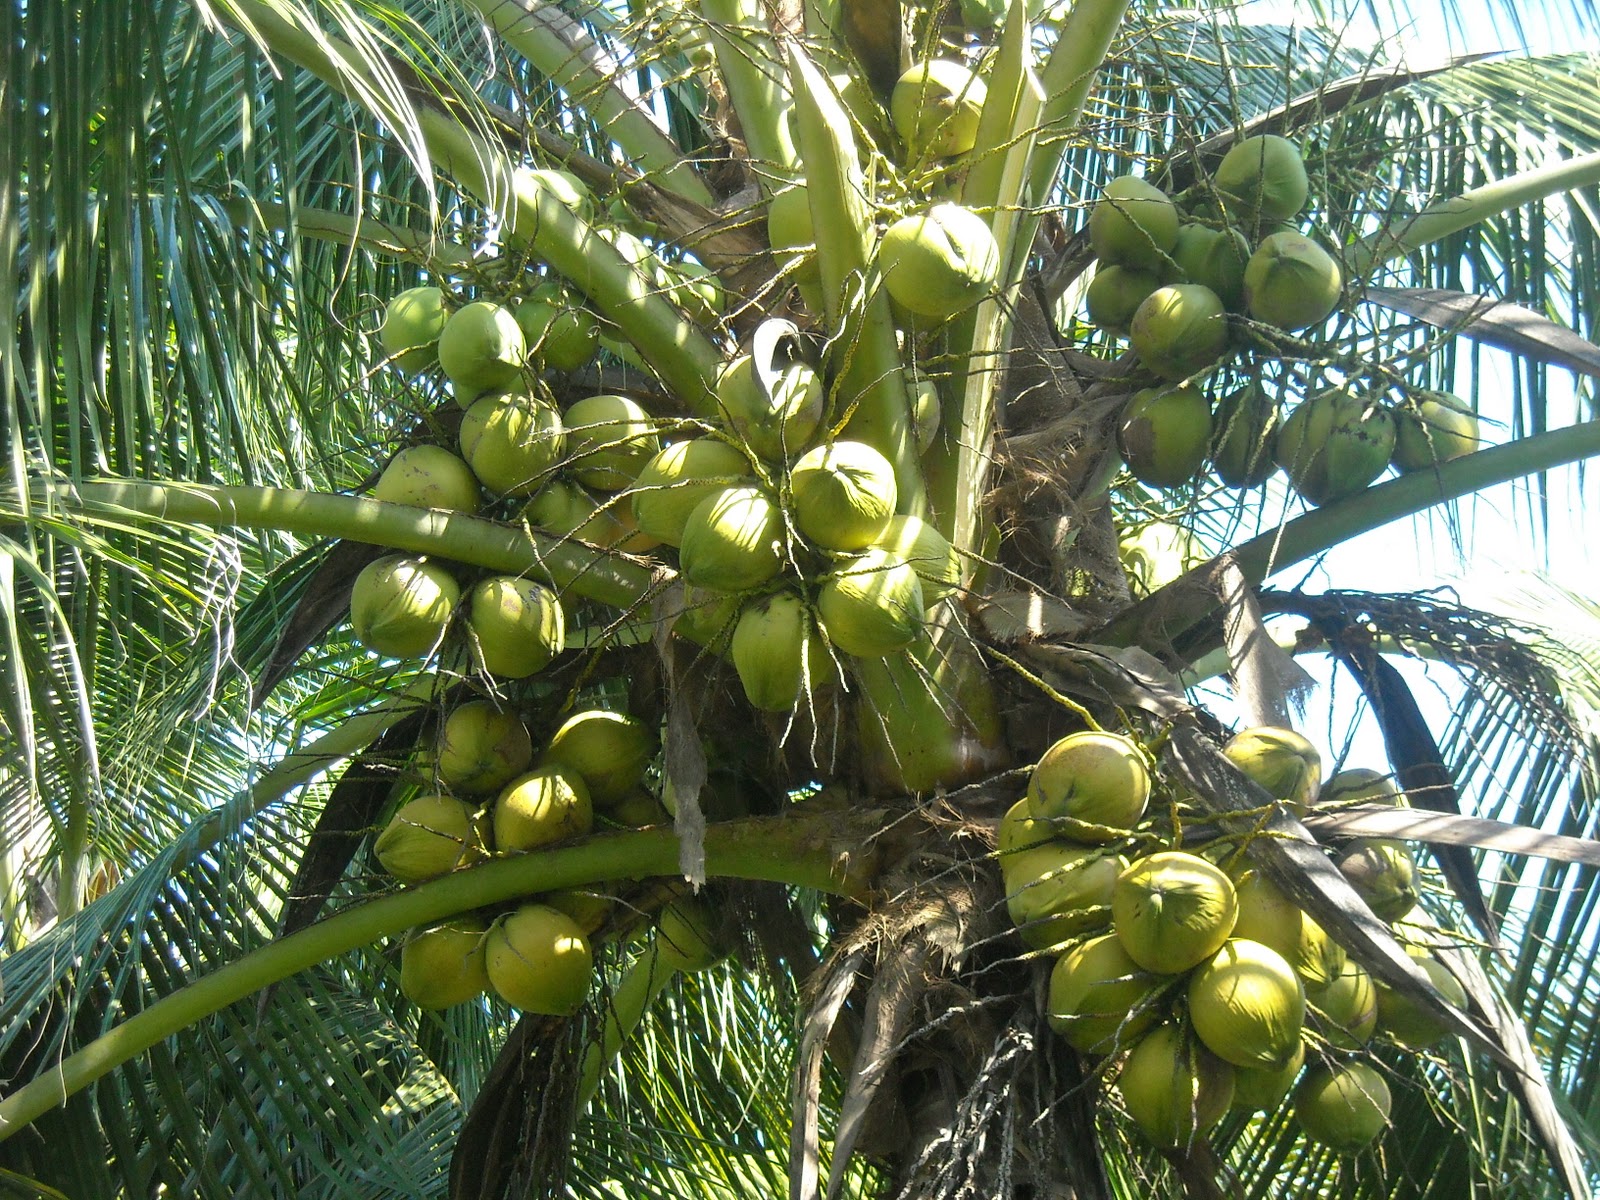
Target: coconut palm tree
(960,522)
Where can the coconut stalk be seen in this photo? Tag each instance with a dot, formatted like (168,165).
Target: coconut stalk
(625,1010)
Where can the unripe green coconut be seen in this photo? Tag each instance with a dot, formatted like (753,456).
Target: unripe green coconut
(539,960)
(428,837)
(1247,1005)
(871,605)
(927,410)
(1154,553)
(1383,873)
(482,348)
(512,441)
(1291,282)
(844,495)
(563,508)
(935,108)
(1020,830)
(560,332)
(1264,1089)
(610,439)
(589,909)
(1173,911)
(1286,765)
(1344,1106)
(697,290)
(611,751)
(928,551)
(1100,999)
(1244,433)
(1179,330)
(708,617)
(400,607)
(1267,916)
(685,937)
(1335,444)
(1361,785)
(481,748)
(428,477)
(1435,428)
(1174,1088)
(412,323)
(517,626)
(732,540)
(1265,176)
(1115,294)
(775,424)
(1164,434)
(1134,224)
(939,263)
(547,804)
(777,652)
(983,14)
(638,809)
(1346,1008)
(444,964)
(1058,890)
(1214,258)
(1406,1021)
(1091,786)
(790,234)
(677,479)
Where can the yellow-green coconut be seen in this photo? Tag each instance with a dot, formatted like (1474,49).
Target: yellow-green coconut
(481,747)
(1247,1005)
(1100,1000)
(445,964)
(539,961)
(401,606)
(516,626)
(547,804)
(1173,911)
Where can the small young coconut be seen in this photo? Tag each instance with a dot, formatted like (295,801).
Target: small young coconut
(1179,330)
(560,332)
(481,348)
(1214,258)
(1100,999)
(1383,873)
(1247,1005)
(1291,282)
(481,748)
(1264,1089)
(844,494)
(1173,911)
(1174,1088)
(790,234)
(927,410)
(777,652)
(512,441)
(1020,830)
(444,964)
(672,483)
(775,424)
(428,477)
(1115,294)
(1345,1106)
(1346,1008)
(696,289)
(1265,176)
(686,937)
(1058,890)
(428,837)
(1245,431)
(412,323)
(547,804)
(610,750)
(928,551)
(1406,1021)
(610,439)
(1134,224)
(872,604)
(935,109)
(1286,765)
(1361,785)
(1267,916)
(1334,444)
(939,263)
(732,540)
(1091,786)
(400,607)
(708,617)
(516,626)
(539,960)
(1164,434)
(1434,428)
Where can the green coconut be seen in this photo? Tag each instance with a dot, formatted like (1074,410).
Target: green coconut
(1165,434)
(790,234)
(1173,911)
(445,964)
(778,423)
(686,937)
(545,805)
(1244,433)
(1056,891)
(939,263)
(1291,282)
(482,348)
(563,508)
(1434,428)
(1265,176)
(539,961)
(677,479)
(1091,786)
(1345,1106)
(1179,330)
(732,540)
(517,626)
(935,109)
(1284,764)
(428,837)
(777,652)
(872,604)
(412,323)
(1247,1005)
(1361,785)
(428,477)
(1021,830)
(1134,224)
(928,551)
(590,909)
(512,441)
(844,495)
(481,747)
(1406,1021)
(1335,444)
(560,332)
(927,410)
(1154,553)
(1383,874)
(400,607)
(1213,258)
(983,14)
(708,617)
(696,289)
(1174,1088)
(1267,916)
(609,440)
(610,750)
(1100,999)
(1346,1008)
(1264,1089)
(1115,294)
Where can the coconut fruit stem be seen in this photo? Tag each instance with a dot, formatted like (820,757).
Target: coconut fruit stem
(626,1006)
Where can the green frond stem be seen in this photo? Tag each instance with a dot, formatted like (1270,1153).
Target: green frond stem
(1188,600)
(625,1007)
(754,77)
(384,237)
(571,566)
(1444,217)
(819,850)
(1067,78)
